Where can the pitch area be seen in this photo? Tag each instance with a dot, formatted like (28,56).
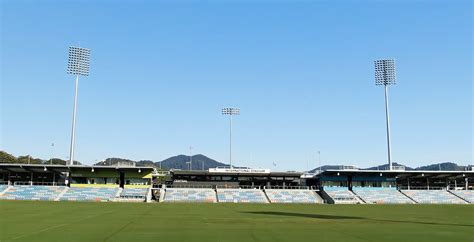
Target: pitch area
(128,222)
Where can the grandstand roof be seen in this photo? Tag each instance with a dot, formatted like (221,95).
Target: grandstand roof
(4,167)
(201,173)
(399,173)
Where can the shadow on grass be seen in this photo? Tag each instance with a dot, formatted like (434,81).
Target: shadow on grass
(305,215)
(336,217)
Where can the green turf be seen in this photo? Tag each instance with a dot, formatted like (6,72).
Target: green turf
(83,221)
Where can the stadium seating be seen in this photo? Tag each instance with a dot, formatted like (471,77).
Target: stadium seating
(291,196)
(89,194)
(433,196)
(341,195)
(189,195)
(381,195)
(23,192)
(241,196)
(467,195)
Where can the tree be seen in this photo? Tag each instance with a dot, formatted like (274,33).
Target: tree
(7,158)
(56,161)
(27,159)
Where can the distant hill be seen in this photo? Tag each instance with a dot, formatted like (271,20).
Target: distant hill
(203,162)
(114,161)
(180,162)
(27,159)
(385,167)
(445,166)
(176,162)
(146,163)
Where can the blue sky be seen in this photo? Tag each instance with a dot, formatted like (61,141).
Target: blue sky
(301,72)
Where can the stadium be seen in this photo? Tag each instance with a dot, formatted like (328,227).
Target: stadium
(166,75)
(236,185)
(124,203)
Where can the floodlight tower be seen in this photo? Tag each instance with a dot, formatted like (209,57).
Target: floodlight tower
(385,75)
(78,65)
(190,157)
(231,112)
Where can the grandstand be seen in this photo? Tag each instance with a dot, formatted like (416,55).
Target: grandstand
(335,195)
(227,195)
(392,186)
(139,184)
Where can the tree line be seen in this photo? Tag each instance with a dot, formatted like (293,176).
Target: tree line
(28,159)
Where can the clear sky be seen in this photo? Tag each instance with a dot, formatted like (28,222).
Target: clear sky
(301,71)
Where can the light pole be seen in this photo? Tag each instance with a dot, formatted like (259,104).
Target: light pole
(231,112)
(190,157)
(52,153)
(78,64)
(385,75)
(319,160)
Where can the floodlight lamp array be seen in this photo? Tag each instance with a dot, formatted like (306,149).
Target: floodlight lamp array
(230,111)
(385,72)
(78,61)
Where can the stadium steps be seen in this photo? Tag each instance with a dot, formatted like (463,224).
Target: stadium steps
(266,196)
(323,196)
(6,190)
(434,197)
(217,195)
(326,198)
(339,195)
(319,199)
(119,191)
(408,196)
(66,188)
(458,196)
(359,199)
(148,196)
(162,195)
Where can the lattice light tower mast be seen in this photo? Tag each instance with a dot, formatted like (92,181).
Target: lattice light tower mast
(231,112)
(78,65)
(385,75)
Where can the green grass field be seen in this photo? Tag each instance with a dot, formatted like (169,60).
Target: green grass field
(83,221)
